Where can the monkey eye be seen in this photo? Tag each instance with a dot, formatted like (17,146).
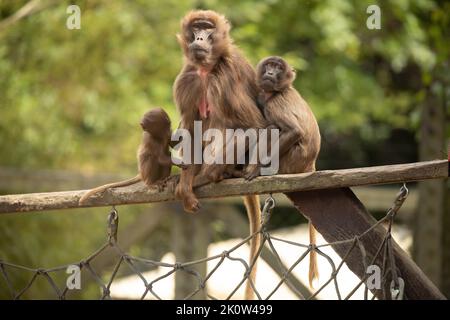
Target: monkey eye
(193,32)
(210,32)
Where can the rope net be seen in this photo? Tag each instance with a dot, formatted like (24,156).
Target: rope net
(391,284)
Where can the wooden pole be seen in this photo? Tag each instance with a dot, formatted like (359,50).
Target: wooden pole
(139,193)
(190,239)
(338,215)
(431,226)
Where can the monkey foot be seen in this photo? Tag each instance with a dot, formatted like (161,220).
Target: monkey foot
(216,178)
(171,183)
(161,184)
(236,173)
(190,201)
(191,205)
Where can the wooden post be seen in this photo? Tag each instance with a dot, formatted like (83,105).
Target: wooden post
(191,237)
(338,215)
(446,244)
(431,226)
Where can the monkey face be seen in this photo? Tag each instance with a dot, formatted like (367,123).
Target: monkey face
(204,37)
(274,74)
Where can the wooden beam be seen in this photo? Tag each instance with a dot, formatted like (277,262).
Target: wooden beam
(338,215)
(139,193)
(22,180)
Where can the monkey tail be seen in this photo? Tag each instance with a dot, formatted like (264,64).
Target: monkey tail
(313,268)
(123,183)
(253,208)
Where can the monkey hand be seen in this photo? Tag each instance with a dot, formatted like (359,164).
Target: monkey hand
(172,182)
(179,163)
(160,185)
(182,166)
(251,172)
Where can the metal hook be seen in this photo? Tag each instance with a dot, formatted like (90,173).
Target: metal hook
(269,204)
(397,290)
(113,225)
(404,191)
(398,202)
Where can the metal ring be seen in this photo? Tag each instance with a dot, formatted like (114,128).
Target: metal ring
(397,293)
(404,189)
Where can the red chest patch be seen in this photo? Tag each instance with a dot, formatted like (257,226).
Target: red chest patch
(204,107)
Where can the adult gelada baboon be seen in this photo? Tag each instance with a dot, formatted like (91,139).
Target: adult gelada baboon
(217,86)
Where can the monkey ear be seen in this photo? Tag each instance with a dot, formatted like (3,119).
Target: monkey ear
(227,26)
(293,73)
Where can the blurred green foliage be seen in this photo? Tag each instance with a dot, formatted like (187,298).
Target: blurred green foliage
(71,99)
